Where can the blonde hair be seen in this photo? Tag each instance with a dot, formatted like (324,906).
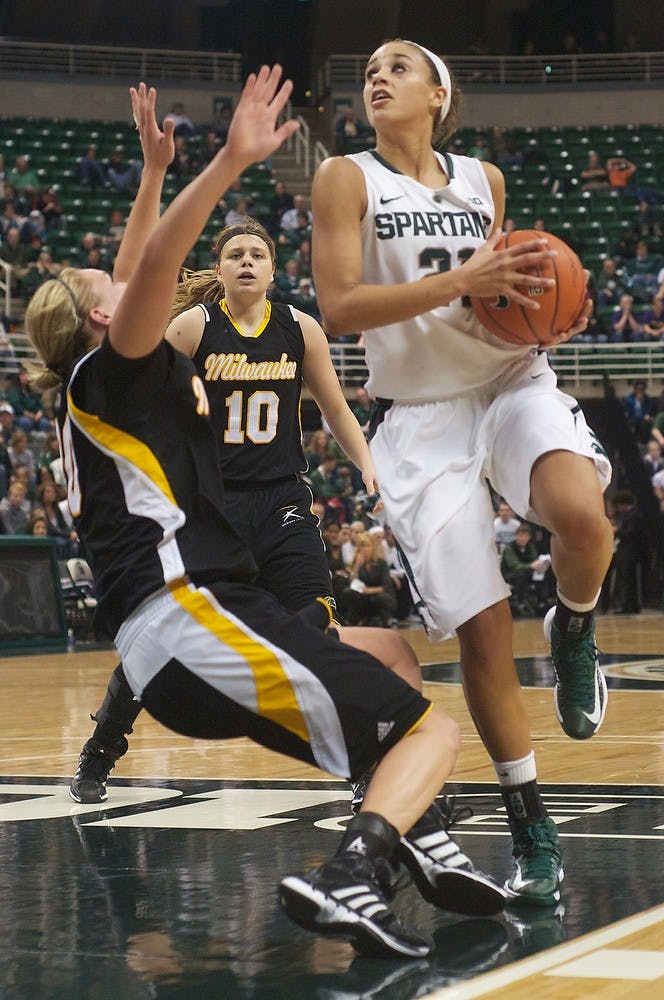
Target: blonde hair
(204,285)
(54,322)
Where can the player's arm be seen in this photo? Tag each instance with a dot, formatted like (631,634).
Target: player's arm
(339,202)
(321,378)
(158,151)
(497,184)
(143,313)
(185,331)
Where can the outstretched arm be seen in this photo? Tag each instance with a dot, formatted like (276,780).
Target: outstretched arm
(158,152)
(143,313)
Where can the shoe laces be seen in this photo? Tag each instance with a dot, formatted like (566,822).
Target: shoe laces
(576,660)
(450,812)
(539,844)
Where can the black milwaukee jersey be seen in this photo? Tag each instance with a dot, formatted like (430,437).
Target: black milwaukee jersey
(254,386)
(143,478)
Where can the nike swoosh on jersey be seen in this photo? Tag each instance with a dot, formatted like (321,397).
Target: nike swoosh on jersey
(385,201)
(537,376)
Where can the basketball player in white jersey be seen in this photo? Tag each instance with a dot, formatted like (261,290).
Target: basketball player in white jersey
(403,235)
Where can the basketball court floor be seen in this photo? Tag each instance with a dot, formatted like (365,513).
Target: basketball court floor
(168,890)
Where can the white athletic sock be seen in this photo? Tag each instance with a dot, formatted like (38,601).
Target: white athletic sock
(516,772)
(579,608)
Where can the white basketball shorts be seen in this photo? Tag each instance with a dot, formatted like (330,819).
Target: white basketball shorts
(433,461)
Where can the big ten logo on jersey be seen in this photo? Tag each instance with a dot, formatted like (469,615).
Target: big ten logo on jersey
(582,811)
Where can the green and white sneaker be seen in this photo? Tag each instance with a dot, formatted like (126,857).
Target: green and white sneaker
(538,869)
(580,694)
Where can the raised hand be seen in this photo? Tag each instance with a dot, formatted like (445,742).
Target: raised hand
(157,145)
(254,133)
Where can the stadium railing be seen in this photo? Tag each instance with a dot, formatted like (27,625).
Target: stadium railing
(112,61)
(341,71)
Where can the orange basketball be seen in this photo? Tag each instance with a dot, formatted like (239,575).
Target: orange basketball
(559,305)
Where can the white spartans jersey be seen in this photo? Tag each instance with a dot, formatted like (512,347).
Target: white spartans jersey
(410,231)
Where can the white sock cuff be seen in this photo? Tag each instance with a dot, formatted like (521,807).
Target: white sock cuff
(516,772)
(579,608)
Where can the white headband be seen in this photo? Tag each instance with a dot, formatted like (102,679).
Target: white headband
(443,77)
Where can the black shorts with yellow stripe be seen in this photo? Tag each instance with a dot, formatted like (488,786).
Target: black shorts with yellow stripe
(227,660)
(277,523)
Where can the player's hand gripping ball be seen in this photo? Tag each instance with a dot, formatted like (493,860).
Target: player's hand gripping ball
(560,304)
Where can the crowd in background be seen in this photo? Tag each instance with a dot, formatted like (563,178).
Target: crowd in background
(369,582)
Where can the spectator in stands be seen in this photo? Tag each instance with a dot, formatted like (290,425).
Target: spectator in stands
(302,230)
(338,570)
(639,409)
(28,408)
(91,170)
(658,488)
(596,332)
(50,206)
(303,258)
(10,218)
(14,253)
(288,280)
(305,298)
(34,225)
(653,319)
(182,123)
(520,561)
(289,220)
(48,501)
(325,482)
(652,460)
(370,598)
(348,130)
(15,510)
(37,524)
(6,422)
(625,248)
(641,273)
(503,148)
(183,163)
(123,174)
(23,179)
(594,176)
(238,213)
(362,408)
(282,201)
(49,454)
(505,526)
(649,219)
(620,172)
(626,325)
(610,283)
(22,456)
(479,149)
(210,148)
(317,447)
(44,269)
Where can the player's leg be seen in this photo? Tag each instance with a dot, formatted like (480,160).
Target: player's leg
(551,468)
(115,719)
(348,712)
(566,498)
(451,557)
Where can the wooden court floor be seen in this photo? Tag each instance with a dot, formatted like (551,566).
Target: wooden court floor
(168,889)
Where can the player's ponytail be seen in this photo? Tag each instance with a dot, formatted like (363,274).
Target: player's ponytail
(55,321)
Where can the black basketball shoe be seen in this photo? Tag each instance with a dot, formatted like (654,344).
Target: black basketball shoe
(94,766)
(442,873)
(347,897)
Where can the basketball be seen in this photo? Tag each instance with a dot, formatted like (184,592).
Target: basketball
(559,305)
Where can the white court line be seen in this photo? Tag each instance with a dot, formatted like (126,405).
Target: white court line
(512,974)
